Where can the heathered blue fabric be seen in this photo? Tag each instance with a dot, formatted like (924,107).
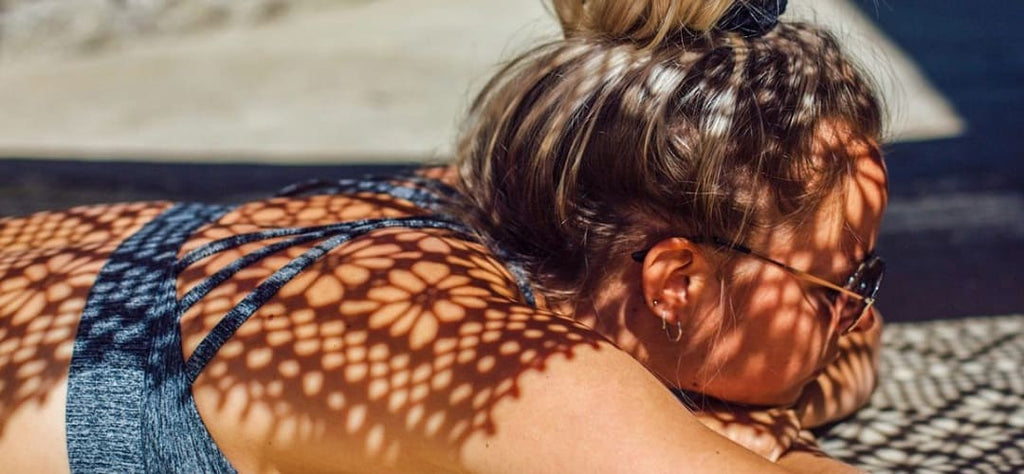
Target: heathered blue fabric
(127,310)
(130,407)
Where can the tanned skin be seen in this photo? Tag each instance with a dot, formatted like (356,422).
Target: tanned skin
(402,351)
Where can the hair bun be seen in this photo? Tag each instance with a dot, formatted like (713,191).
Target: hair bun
(753,18)
(649,21)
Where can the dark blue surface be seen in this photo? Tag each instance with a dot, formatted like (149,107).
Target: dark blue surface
(972,53)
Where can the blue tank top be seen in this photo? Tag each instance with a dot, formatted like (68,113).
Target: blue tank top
(129,402)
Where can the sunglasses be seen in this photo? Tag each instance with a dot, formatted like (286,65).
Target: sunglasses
(855,298)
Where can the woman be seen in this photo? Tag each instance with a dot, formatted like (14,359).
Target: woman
(679,199)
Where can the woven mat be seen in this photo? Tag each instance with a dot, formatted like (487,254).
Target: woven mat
(951,399)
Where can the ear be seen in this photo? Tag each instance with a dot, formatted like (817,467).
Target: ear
(675,272)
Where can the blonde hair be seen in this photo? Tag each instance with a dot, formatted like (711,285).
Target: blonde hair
(647,122)
(644,21)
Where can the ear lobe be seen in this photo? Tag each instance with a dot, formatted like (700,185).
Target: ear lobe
(674,273)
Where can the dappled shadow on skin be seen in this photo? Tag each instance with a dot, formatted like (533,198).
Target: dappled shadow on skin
(759,429)
(830,397)
(48,262)
(771,369)
(395,344)
(306,211)
(779,328)
(398,343)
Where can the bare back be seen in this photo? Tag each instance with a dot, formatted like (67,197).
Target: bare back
(403,350)
(48,263)
(388,351)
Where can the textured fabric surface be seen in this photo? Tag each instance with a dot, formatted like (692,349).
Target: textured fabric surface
(950,399)
(130,307)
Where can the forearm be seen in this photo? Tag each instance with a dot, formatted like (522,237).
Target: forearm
(847,383)
(805,456)
(810,462)
(844,387)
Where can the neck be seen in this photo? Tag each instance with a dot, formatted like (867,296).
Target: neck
(616,310)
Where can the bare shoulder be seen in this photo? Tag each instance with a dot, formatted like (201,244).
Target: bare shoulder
(377,348)
(410,351)
(318,209)
(596,409)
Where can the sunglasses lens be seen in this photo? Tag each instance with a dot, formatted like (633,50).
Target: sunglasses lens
(864,282)
(870,278)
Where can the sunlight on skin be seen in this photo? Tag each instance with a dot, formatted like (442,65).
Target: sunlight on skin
(774,332)
(48,263)
(406,338)
(395,345)
(445,352)
(781,313)
(847,383)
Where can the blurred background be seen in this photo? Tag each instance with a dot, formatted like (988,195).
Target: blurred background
(228,100)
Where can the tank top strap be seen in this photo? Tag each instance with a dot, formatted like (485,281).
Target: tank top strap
(130,405)
(330,238)
(123,349)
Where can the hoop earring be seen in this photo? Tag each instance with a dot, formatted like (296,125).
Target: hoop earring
(668,333)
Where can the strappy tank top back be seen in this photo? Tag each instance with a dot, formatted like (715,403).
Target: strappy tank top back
(129,403)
